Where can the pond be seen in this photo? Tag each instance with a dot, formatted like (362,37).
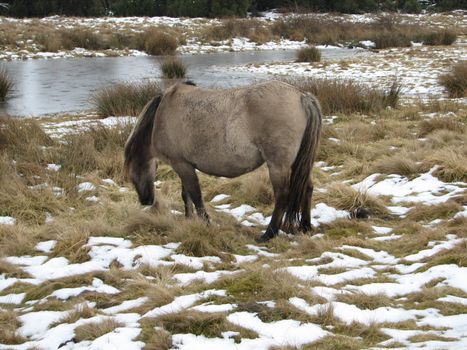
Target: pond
(61,85)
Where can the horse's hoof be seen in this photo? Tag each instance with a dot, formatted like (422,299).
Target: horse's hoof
(265,237)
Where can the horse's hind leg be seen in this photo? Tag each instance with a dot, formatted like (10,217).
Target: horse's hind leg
(280,178)
(188,202)
(305,221)
(191,187)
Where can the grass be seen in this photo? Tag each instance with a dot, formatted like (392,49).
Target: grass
(455,82)
(93,330)
(6,85)
(173,68)
(158,43)
(95,153)
(123,99)
(359,204)
(8,326)
(346,96)
(309,54)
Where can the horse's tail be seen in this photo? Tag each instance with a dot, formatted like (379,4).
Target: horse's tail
(139,141)
(303,163)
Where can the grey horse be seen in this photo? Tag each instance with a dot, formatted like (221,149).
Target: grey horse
(229,133)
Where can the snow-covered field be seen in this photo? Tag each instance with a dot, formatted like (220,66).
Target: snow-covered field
(83,266)
(190,29)
(395,280)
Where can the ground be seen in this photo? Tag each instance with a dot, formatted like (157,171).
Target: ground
(83,265)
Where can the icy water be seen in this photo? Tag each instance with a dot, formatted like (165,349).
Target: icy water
(66,84)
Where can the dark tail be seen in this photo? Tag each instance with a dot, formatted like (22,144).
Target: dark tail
(137,145)
(303,163)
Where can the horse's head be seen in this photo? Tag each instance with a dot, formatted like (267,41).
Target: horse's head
(142,177)
(140,165)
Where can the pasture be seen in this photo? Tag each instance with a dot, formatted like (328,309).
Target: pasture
(84,265)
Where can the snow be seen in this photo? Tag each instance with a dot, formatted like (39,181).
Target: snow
(183,302)
(323,214)
(85,186)
(351,313)
(26,260)
(219,198)
(126,305)
(12,298)
(283,332)
(453,299)
(208,277)
(46,246)
(425,189)
(7,220)
(381,230)
(97,286)
(437,247)
(36,323)
(209,307)
(53,167)
(196,263)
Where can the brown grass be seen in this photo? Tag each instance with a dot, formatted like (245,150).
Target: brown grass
(93,330)
(173,68)
(451,162)
(6,84)
(309,54)
(346,96)
(8,326)
(157,43)
(124,99)
(359,204)
(455,82)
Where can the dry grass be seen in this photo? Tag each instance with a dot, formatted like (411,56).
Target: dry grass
(173,68)
(431,212)
(364,301)
(455,82)
(309,54)
(6,84)
(8,326)
(93,330)
(359,204)
(451,162)
(346,96)
(157,43)
(124,99)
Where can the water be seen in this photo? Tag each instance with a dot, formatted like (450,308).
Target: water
(67,84)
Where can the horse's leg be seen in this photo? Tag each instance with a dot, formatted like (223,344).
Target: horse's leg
(280,178)
(188,202)
(190,183)
(305,221)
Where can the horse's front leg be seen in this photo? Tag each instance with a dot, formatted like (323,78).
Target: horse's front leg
(190,183)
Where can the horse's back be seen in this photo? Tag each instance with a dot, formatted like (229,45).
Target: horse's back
(233,131)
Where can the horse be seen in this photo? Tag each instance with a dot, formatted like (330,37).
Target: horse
(229,133)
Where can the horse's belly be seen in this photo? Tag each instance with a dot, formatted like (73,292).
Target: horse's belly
(230,164)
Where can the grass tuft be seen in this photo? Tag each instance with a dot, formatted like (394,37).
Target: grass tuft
(309,54)
(173,68)
(6,84)
(123,99)
(455,82)
(346,96)
(158,43)
(93,330)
